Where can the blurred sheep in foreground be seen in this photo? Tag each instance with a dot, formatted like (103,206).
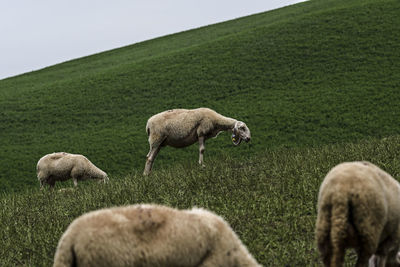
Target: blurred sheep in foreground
(151,235)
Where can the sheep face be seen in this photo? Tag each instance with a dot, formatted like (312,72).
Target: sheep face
(105,179)
(102,179)
(240,132)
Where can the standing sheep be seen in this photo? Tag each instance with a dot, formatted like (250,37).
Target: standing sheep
(359,207)
(151,235)
(184,127)
(62,166)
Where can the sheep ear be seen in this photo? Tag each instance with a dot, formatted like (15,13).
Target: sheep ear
(234,131)
(235,128)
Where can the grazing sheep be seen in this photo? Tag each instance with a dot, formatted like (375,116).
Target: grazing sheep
(151,235)
(184,127)
(62,166)
(359,207)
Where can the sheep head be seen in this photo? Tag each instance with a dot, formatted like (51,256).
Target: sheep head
(102,179)
(240,132)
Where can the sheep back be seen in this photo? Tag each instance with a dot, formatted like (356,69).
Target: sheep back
(358,206)
(150,235)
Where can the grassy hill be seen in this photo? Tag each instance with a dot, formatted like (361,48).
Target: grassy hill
(315,73)
(317,84)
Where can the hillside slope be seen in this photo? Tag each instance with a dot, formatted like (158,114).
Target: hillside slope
(315,73)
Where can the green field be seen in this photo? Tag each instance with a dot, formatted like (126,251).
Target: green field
(317,83)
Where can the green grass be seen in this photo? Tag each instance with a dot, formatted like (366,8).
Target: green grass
(317,84)
(269,200)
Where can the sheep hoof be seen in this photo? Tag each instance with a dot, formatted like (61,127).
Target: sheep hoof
(62,190)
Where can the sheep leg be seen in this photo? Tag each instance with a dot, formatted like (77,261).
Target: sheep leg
(42,178)
(337,258)
(379,259)
(363,258)
(75,173)
(202,147)
(154,149)
(326,253)
(41,185)
(51,183)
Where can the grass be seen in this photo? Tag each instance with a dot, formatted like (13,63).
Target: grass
(317,84)
(269,200)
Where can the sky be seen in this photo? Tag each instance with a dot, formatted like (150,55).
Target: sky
(38,33)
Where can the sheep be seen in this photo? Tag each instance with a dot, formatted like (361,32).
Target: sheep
(183,127)
(151,235)
(359,207)
(61,166)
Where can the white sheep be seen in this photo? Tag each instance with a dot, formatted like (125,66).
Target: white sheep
(151,235)
(184,127)
(359,207)
(62,166)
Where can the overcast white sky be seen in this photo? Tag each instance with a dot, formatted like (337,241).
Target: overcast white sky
(39,33)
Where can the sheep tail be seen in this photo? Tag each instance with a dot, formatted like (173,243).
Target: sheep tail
(65,256)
